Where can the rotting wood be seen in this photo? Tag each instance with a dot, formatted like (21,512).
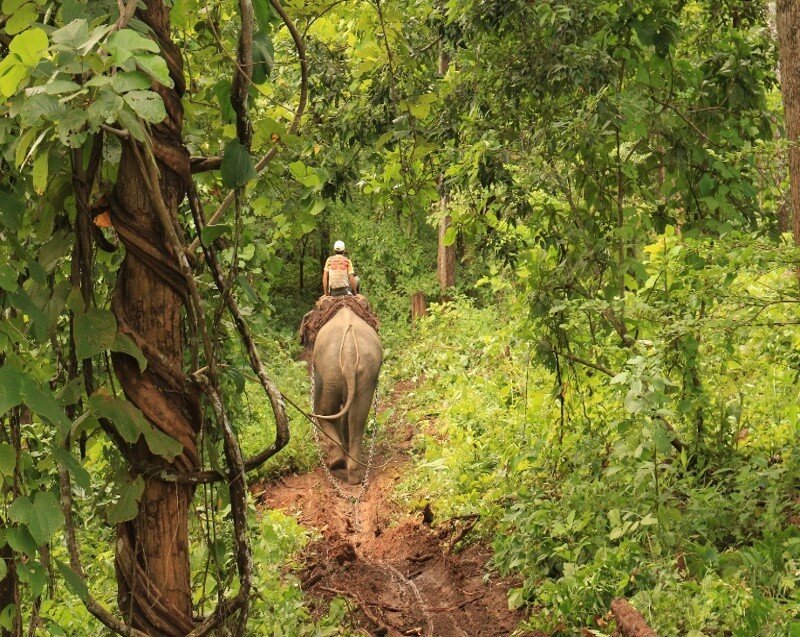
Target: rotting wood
(630,622)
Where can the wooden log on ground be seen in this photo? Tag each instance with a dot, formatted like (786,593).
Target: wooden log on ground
(630,622)
(419,306)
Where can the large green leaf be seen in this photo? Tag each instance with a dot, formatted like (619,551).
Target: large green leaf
(237,165)
(222,91)
(72,35)
(126,418)
(161,444)
(21,19)
(11,209)
(19,539)
(105,106)
(130,81)
(265,14)
(75,582)
(11,76)
(29,46)
(123,343)
(263,57)
(209,234)
(10,388)
(34,314)
(34,575)
(42,516)
(43,403)
(95,331)
(81,475)
(8,278)
(156,67)
(8,459)
(40,107)
(147,105)
(123,43)
(127,506)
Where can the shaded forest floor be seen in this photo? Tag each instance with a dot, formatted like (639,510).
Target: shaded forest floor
(399,570)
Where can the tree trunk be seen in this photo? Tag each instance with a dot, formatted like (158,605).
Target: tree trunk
(446,258)
(152,560)
(787,19)
(419,306)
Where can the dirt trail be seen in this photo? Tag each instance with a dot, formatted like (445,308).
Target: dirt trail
(396,568)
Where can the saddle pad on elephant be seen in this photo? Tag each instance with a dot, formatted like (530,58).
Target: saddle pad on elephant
(327,307)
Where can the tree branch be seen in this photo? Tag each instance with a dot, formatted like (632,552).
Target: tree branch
(204,164)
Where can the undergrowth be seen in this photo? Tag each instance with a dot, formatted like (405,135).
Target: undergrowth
(578,486)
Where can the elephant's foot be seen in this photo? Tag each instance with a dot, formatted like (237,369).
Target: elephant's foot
(355,475)
(338,463)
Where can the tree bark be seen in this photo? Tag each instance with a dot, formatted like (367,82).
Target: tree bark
(152,557)
(419,306)
(446,257)
(787,20)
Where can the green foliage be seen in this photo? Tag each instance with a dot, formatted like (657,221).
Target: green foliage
(615,182)
(588,501)
(237,165)
(41,516)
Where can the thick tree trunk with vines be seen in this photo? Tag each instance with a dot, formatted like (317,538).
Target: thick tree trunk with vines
(788,24)
(152,561)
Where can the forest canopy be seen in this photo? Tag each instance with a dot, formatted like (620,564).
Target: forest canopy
(595,207)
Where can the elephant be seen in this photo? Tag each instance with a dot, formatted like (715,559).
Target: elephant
(346,361)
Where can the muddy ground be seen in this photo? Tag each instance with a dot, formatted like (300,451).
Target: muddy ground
(403,573)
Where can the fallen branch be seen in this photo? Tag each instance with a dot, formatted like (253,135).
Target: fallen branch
(362,606)
(450,609)
(471,521)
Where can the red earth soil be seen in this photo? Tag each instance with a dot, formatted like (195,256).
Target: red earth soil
(399,571)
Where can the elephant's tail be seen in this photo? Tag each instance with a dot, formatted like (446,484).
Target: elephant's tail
(349,378)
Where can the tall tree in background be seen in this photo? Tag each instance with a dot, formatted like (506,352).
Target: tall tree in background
(788,23)
(446,257)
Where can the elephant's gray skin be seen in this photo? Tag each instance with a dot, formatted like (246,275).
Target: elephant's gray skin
(346,361)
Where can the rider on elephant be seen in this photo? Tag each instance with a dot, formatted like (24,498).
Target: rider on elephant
(338,275)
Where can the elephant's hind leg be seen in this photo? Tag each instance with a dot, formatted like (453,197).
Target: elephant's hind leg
(325,403)
(356,420)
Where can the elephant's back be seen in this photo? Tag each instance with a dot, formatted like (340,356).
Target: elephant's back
(331,334)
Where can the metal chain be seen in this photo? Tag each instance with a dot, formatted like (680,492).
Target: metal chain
(355,501)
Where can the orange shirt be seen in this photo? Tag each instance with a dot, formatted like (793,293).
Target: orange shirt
(338,268)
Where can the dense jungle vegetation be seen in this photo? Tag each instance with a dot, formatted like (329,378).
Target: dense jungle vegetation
(600,201)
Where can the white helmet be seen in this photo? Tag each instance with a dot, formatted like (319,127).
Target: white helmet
(338,246)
